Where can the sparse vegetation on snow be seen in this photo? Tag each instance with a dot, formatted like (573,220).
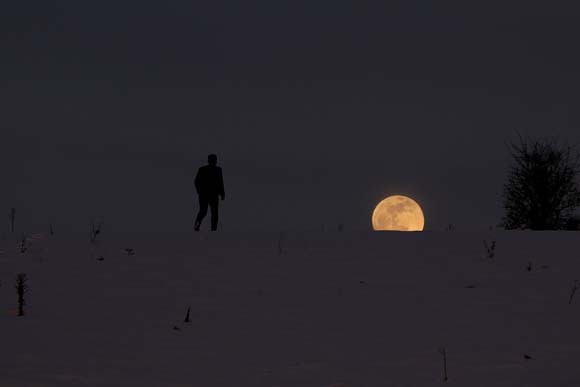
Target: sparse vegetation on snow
(336,308)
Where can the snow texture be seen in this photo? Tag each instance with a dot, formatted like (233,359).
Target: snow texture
(342,309)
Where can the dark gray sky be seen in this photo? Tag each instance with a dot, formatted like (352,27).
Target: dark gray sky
(317,109)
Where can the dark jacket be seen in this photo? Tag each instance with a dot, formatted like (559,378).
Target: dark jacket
(209,181)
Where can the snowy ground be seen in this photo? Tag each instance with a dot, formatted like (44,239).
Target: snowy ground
(314,309)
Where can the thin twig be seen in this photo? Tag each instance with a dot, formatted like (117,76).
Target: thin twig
(490,249)
(573,291)
(12,218)
(280,238)
(443,353)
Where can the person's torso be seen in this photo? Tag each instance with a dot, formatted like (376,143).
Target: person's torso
(209,178)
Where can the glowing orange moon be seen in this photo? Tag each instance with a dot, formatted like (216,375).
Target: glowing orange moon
(398,213)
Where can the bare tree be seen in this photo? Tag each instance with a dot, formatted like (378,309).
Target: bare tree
(541,192)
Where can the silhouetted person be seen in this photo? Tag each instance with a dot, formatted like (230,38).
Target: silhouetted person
(209,184)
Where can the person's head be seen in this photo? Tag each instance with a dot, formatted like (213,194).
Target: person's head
(212,159)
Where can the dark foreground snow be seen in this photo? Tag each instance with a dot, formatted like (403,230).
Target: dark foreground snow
(309,309)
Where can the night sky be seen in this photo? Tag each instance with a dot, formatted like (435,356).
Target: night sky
(316,109)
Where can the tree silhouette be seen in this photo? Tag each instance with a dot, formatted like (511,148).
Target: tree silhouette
(541,192)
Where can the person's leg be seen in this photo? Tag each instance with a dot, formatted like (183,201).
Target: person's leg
(203,203)
(214,208)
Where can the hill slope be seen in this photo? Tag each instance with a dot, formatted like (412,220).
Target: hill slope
(293,309)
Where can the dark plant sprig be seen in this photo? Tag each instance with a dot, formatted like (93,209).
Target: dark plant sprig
(22,245)
(21,289)
(12,218)
(95,230)
(490,249)
(573,290)
(443,353)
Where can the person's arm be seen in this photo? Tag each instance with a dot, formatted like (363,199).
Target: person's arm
(221,187)
(197,181)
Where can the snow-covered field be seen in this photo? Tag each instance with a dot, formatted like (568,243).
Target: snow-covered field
(305,309)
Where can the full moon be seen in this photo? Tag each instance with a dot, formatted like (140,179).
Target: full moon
(398,213)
